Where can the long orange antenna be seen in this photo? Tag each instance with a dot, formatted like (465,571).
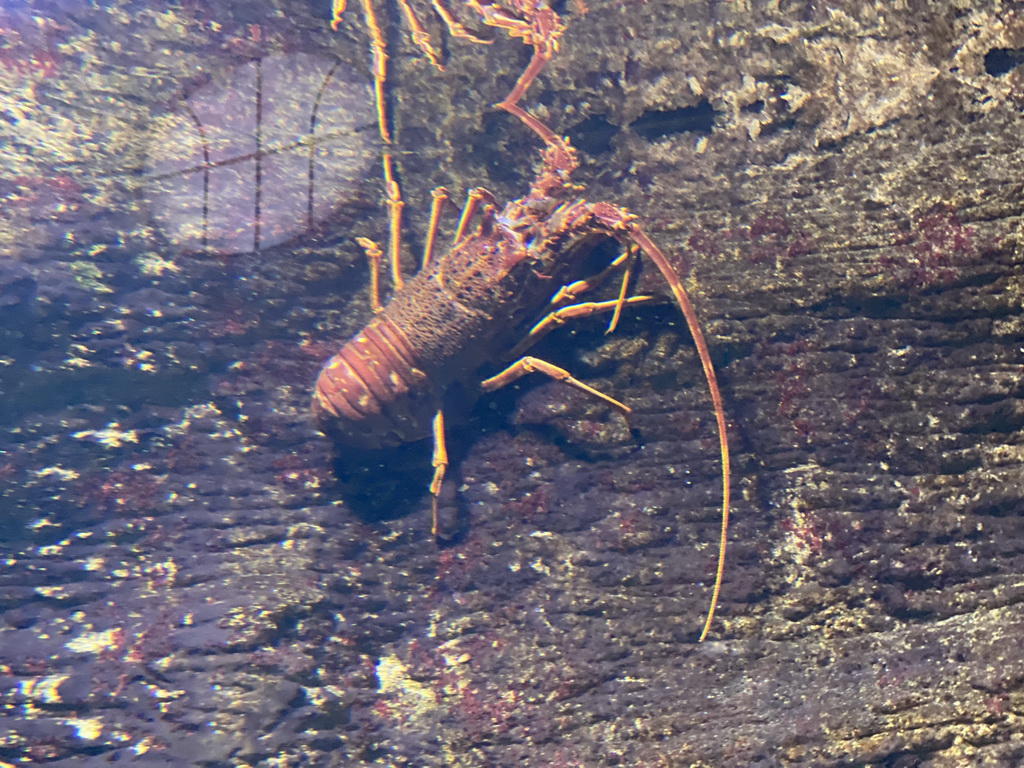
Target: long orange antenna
(675,284)
(542,32)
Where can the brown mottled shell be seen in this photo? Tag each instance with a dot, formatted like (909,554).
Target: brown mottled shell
(371,394)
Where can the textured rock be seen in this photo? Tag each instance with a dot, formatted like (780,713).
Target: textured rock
(184,580)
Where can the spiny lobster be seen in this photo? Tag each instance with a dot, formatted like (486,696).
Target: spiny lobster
(419,356)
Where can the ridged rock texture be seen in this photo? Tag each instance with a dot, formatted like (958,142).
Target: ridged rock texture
(190,575)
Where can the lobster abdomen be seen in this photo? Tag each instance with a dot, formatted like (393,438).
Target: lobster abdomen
(372,394)
(386,384)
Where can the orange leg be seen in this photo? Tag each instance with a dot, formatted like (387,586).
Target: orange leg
(454,27)
(379,50)
(529,364)
(392,191)
(573,290)
(630,254)
(575,311)
(570,292)
(419,34)
(440,196)
(373,253)
(440,463)
(537,26)
(337,9)
(473,199)
(395,205)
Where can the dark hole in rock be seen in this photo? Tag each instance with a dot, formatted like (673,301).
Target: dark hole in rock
(655,124)
(593,135)
(782,125)
(999,61)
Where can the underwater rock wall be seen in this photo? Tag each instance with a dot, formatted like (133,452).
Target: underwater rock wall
(185,582)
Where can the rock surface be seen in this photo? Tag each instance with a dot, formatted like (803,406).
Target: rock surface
(189,577)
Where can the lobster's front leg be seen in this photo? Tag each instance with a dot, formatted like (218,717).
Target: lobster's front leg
(575,311)
(525,365)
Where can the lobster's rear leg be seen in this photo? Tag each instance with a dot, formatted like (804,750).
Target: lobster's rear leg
(474,197)
(392,191)
(440,197)
(440,464)
(373,255)
(395,205)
